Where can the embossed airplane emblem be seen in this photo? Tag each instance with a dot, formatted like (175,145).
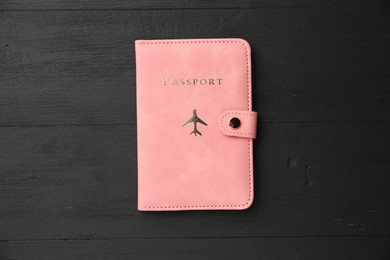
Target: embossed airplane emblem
(195,119)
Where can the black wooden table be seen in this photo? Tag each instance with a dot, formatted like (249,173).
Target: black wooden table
(68,172)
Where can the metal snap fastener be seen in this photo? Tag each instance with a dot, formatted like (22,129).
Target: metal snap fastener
(234,122)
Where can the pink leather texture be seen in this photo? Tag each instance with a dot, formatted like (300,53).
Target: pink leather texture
(189,157)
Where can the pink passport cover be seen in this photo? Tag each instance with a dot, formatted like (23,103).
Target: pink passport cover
(189,155)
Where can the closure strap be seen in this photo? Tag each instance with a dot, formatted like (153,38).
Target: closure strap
(239,123)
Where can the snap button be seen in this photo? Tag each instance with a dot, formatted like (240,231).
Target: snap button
(238,123)
(234,122)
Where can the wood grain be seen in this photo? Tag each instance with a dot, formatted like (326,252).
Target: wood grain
(177,4)
(203,248)
(77,68)
(315,179)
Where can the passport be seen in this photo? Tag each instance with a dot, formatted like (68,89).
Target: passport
(195,124)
